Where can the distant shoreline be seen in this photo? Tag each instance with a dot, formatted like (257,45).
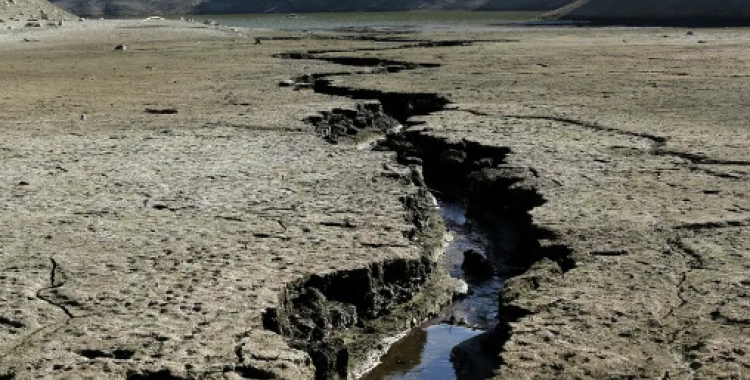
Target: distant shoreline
(692,22)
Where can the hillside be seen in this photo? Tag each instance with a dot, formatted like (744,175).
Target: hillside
(23,10)
(664,12)
(164,7)
(99,8)
(522,5)
(298,6)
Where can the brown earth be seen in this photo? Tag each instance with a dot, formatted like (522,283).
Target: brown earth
(135,242)
(145,244)
(638,141)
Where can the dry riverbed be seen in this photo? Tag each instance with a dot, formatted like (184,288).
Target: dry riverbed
(167,210)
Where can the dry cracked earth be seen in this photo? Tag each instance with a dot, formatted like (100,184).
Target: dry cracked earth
(156,202)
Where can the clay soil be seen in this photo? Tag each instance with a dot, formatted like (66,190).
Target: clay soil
(156,201)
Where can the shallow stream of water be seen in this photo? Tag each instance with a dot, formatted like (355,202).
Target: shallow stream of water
(424,352)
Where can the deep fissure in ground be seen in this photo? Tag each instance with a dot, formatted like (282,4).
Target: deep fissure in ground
(317,312)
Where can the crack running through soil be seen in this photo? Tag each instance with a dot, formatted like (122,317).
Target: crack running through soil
(54,285)
(439,165)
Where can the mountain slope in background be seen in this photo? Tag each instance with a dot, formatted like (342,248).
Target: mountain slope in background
(164,7)
(521,5)
(662,12)
(26,9)
(127,7)
(299,6)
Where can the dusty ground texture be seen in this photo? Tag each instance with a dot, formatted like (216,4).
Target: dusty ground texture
(639,139)
(134,242)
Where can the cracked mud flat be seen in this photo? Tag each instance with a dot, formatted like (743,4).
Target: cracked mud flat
(150,246)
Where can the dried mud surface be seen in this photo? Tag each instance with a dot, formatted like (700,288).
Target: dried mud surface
(149,244)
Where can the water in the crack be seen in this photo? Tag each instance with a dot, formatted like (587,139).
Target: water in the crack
(479,307)
(424,353)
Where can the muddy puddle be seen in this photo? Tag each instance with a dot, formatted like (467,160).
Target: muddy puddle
(425,351)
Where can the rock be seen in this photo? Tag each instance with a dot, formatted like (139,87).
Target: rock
(472,360)
(476,266)
(462,287)
(453,158)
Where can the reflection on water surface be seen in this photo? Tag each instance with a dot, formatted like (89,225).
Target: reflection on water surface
(411,358)
(424,353)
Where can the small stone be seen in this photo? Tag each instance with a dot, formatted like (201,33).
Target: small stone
(461,288)
(476,265)
(453,158)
